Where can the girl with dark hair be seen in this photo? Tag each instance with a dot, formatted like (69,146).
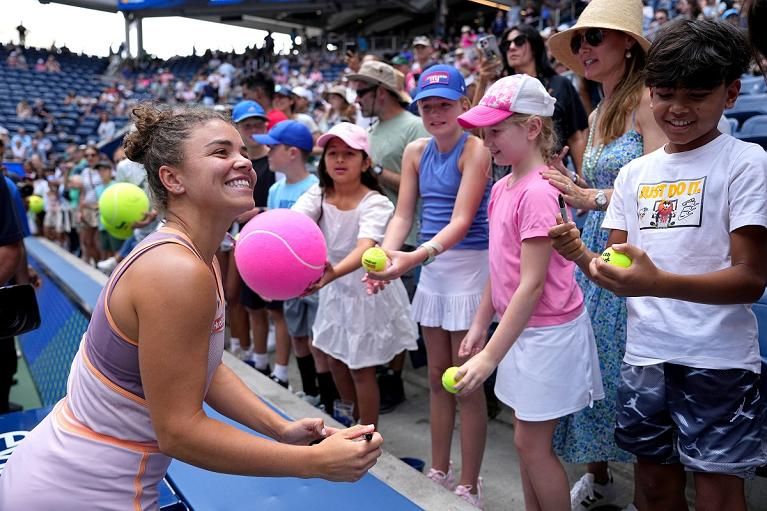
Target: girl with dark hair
(358,332)
(151,355)
(524,51)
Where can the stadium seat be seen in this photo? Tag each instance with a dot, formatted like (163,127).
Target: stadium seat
(746,106)
(755,130)
(733,126)
(753,85)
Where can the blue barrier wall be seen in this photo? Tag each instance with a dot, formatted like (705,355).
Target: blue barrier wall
(66,298)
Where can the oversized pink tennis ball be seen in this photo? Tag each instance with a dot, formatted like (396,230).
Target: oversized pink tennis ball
(280,253)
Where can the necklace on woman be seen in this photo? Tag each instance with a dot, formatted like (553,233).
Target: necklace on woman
(592,154)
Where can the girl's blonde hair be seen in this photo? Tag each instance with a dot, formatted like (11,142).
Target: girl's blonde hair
(547,138)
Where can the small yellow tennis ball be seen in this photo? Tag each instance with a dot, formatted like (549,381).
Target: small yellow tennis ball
(448,379)
(374,259)
(36,204)
(616,258)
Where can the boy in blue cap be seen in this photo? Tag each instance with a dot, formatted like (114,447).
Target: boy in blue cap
(692,216)
(290,144)
(250,119)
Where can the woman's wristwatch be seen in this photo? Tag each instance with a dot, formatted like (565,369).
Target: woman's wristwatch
(600,200)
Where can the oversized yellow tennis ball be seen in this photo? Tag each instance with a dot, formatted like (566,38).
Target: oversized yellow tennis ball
(374,259)
(36,204)
(123,204)
(448,379)
(123,232)
(616,258)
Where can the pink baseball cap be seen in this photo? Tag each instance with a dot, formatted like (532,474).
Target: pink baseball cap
(353,135)
(515,94)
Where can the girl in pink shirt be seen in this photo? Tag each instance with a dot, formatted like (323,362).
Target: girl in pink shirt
(543,347)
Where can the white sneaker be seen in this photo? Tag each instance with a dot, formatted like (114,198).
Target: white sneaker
(443,479)
(271,339)
(312,400)
(587,495)
(107,265)
(464,491)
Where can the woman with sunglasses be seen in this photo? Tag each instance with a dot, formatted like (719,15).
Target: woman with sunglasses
(524,52)
(605,45)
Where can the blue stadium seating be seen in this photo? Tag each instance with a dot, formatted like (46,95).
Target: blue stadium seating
(755,130)
(746,106)
(80,74)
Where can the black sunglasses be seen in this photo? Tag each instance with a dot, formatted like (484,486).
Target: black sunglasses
(593,36)
(363,92)
(518,41)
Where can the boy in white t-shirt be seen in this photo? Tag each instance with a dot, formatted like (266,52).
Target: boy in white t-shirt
(692,216)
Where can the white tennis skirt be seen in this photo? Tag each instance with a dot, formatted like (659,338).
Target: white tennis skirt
(450,289)
(551,371)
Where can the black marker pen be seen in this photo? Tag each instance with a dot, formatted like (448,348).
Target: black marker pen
(563,208)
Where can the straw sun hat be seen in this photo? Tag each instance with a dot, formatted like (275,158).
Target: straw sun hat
(623,15)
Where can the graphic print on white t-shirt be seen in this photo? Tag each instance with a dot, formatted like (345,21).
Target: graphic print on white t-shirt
(669,204)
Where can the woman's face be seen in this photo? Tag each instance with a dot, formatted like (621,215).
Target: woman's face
(519,52)
(344,164)
(337,102)
(683,6)
(216,174)
(605,60)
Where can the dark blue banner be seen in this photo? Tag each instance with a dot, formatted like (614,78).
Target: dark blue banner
(140,5)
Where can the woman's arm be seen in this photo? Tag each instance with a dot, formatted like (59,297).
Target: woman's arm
(534,264)
(652,136)
(577,145)
(173,338)
(229,396)
(402,221)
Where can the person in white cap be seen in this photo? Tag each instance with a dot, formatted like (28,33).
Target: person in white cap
(544,346)
(302,102)
(423,51)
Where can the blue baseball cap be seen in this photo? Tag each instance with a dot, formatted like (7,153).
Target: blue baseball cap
(247,109)
(441,81)
(291,133)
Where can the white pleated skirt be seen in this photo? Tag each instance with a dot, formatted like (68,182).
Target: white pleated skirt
(450,289)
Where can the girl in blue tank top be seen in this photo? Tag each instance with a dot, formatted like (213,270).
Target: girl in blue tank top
(449,173)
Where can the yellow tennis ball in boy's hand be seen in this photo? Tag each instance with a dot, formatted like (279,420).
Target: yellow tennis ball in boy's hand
(616,258)
(448,379)
(374,259)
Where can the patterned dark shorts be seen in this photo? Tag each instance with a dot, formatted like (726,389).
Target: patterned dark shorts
(710,420)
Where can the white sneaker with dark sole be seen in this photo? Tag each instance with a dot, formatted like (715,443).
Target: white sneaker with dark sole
(587,495)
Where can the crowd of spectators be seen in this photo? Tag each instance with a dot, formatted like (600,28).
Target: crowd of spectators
(307,84)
